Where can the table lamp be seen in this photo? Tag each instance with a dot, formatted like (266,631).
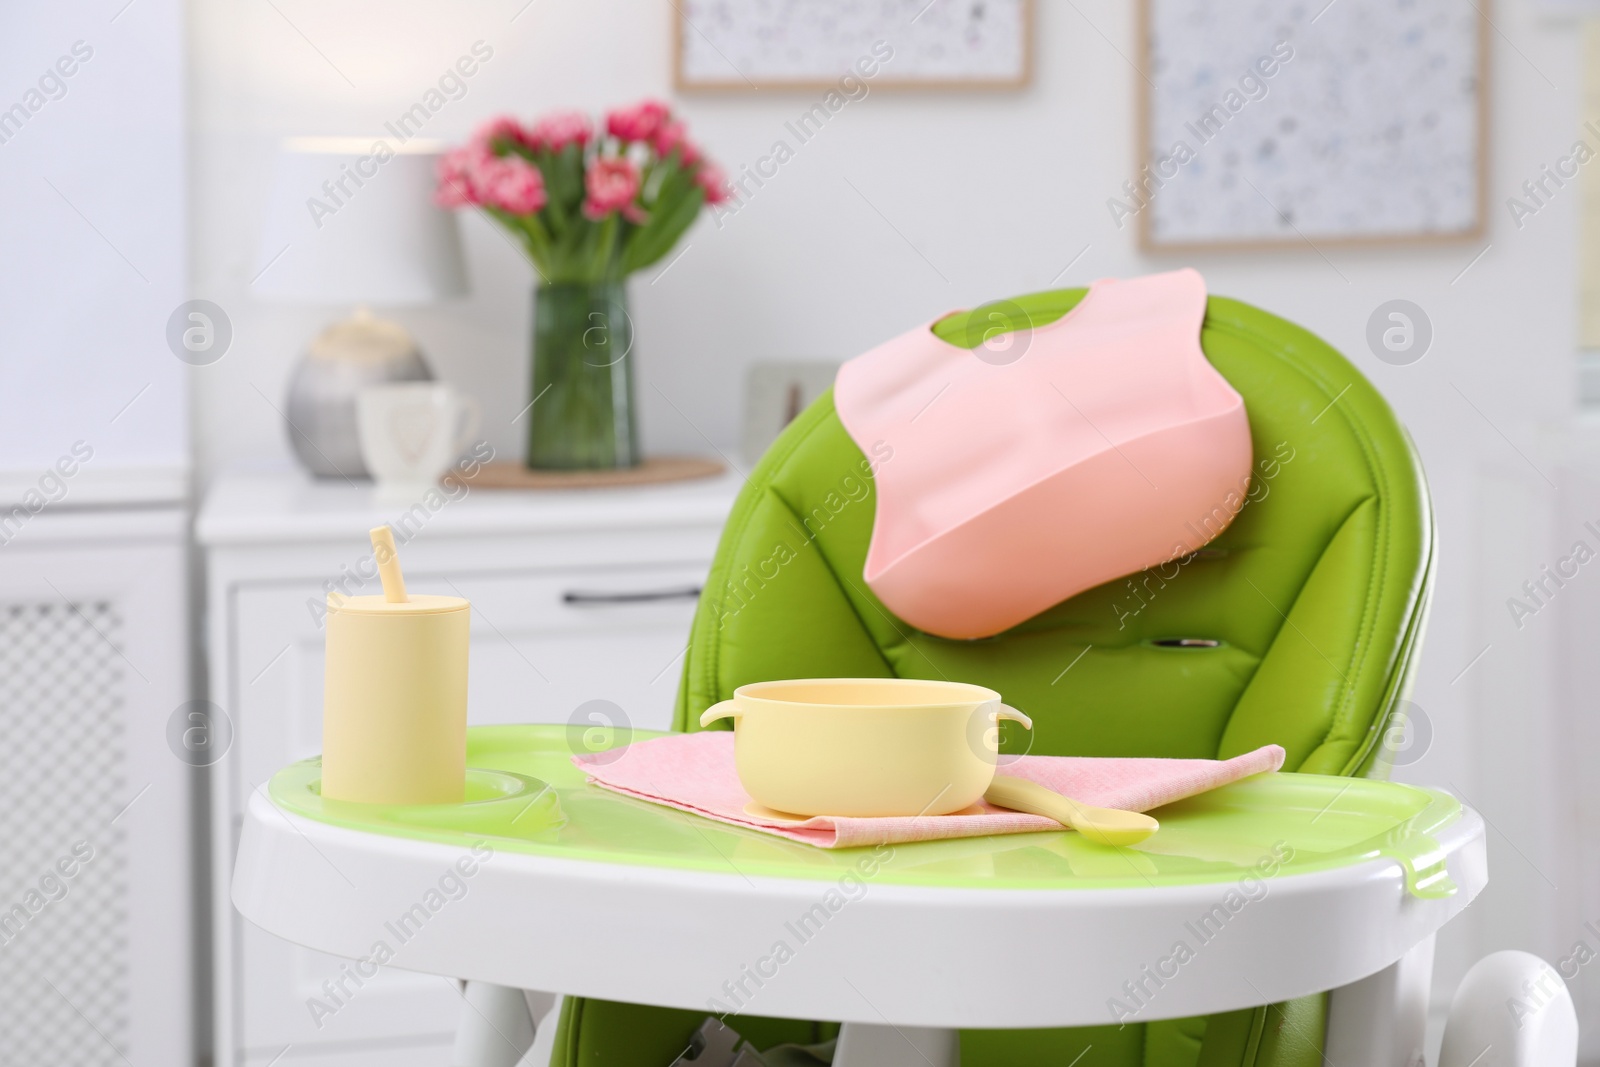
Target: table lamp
(352,221)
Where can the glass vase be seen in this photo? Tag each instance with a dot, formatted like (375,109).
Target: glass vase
(582,413)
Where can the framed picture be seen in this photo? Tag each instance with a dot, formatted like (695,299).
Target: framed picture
(1589,201)
(746,45)
(1259,129)
(775,391)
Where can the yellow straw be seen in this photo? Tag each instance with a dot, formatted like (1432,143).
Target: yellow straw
(394,584)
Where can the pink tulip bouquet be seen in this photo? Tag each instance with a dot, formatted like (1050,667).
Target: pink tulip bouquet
(590,206)
(587,204)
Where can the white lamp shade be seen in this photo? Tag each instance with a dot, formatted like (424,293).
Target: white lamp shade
(352,220)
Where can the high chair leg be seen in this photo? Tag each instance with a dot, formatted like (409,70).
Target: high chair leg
(864,1045)
(1511,1010)
(1382,1020)
(496,1027)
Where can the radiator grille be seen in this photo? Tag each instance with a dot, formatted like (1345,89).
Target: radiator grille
(63,940)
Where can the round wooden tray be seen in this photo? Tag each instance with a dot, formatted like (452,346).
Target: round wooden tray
(653,471)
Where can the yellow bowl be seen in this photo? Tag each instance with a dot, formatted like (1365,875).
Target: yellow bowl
(865,747)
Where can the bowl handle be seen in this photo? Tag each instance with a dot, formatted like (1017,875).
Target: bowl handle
(1008,712)
(722,709)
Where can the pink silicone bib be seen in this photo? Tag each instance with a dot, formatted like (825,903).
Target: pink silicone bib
(1110,445)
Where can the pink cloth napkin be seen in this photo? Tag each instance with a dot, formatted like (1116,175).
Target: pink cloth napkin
(695,773)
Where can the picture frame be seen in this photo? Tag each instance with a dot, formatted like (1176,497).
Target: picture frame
(738,46)
(775,391)
(1321,198)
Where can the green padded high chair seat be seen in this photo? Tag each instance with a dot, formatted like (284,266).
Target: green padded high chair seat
(1298,626)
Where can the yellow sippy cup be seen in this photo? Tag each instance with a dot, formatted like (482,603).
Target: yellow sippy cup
(394,705)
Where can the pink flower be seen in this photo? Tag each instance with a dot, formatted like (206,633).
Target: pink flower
(714,181)
(560,128)
(509,183)
(641,122)
(676,135)
(474,175)
(502,131)
(457,167)
(611,184)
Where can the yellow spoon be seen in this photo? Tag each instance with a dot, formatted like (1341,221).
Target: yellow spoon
(1108,826)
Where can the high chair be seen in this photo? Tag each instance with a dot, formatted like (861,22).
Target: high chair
(1300,625)
(1306,905)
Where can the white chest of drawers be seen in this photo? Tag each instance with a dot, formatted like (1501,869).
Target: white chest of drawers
(578,597)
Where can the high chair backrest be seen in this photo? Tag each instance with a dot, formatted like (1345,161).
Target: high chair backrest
(1299,625)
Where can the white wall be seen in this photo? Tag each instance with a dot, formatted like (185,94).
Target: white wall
(94,242)
(998,192)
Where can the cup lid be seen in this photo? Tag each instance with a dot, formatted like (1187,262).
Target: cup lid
(417,604)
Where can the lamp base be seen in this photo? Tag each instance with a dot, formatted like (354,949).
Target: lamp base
(341,361)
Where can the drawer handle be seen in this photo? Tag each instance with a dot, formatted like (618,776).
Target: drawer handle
(642,596)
